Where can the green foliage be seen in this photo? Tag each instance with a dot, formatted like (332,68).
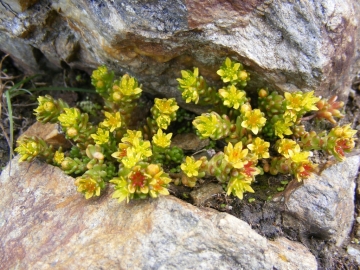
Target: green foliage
(268,139)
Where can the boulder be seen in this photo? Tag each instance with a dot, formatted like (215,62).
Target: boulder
(323,206)
(45,223)
(286,45)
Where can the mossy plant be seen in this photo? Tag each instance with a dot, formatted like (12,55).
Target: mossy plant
(268,139)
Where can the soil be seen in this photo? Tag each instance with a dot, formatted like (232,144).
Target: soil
(258,209)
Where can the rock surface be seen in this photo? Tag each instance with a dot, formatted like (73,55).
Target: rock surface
(324,205)
(286,45)
(354,251)
(49,133)
(45,223)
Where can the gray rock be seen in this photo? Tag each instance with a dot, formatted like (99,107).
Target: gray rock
(324,205)
(189,142)
(205,192)
(286,45)
(45,223)
(354,252)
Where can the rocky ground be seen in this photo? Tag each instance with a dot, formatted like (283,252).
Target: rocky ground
(266,211)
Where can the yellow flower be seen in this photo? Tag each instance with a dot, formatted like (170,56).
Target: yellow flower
(158,180)
(58,157)
(101,136)
(294,101)
(310,101)
(301,102)
(344,132)
(46,104)
(70,118)
(131,135)
(290,116)
(191,166)
(239,185)
(88,186)
(260,148)
(49,109)
(235,155)
(113,121)
(190,94)
(142,147)
(287,147)
(282,127)
(122,151)
(254,120)
(163,121)
(131,158)
(128,86)
(188,78)
(232,97)
(229,71)
(121,189)
(206,124)
(298,156)
(28,149)
(100,73)
(162,139)
(166,106)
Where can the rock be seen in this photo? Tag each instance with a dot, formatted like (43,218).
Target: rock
(324,205)
(45,223)
(354,252)
(189,142)
(49,133)
(17,5)
(286,45)
(205,192)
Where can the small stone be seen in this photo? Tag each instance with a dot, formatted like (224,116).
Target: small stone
(324,204)
(205,192)
(354,252)
(189,142)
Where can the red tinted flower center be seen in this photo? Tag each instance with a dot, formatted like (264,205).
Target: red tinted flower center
(248,169)
(137,179)
(341,145)
(123,153)
(307,171)
(90,187)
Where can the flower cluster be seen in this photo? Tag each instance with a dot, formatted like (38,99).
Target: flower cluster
(235,166)
(125,90)
(102,79)
(49,109)
(294,160)
(276,118)
(114,151)
(233,97)
(195,89)
(212,125)
(76,126)
(140,181)
(32,147)
(164,111)
(233,73)
(337,142)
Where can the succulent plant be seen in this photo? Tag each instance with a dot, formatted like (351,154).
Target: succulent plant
(269,139)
